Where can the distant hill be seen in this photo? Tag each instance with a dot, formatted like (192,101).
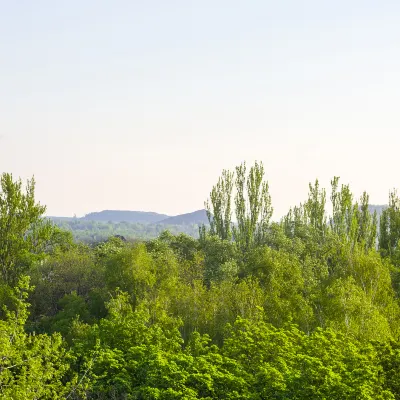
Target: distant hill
(132,225)
(125,216)
(198,217)
(142,217)
(377,208)
(138,225)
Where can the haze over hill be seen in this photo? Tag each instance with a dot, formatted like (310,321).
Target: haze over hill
(141,217)
(125,216)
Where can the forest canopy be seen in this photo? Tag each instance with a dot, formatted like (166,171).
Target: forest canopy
(302,308)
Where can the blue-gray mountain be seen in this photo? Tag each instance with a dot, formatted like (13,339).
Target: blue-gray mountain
(126,216)
(142,217)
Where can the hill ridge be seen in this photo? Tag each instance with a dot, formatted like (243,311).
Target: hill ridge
(146,217)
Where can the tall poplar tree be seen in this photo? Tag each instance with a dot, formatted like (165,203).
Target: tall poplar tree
(389,232)
(219,208)
(253,209)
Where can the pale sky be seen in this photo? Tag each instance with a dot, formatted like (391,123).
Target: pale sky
(139,105)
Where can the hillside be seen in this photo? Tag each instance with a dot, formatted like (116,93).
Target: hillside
(125,216)
(197,217)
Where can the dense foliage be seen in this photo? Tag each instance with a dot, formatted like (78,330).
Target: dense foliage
(307,308)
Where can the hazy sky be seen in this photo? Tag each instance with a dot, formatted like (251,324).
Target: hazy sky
(139,105)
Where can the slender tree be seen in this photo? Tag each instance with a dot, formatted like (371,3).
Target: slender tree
(389,235)
(218,207)
(253,209)
(253,206)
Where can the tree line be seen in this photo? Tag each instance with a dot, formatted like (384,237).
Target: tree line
(304,308)
(92,232)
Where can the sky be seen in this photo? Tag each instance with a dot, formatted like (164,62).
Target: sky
(139,105)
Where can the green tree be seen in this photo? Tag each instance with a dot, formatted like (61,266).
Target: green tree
(389,235)
(253,207)
(218,207)
(62,274)
(351,221)
(31,366)
(23,231)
